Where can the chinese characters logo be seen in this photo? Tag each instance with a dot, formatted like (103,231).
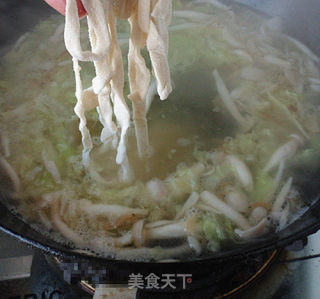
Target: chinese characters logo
(153,281)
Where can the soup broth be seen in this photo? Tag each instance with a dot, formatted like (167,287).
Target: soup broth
(243,115)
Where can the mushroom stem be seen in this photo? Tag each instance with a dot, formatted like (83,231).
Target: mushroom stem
(204,207)
(254,231)
(229,103)
(225,209)
(51,167)
(11,173)
(238,201)
(191,201)
(242,172)
(303,48)
(63,228)
(124,240)
(284,152)
(282,196)
(110,211)
(159,223)
(170,231)
(5,144)
(174,230)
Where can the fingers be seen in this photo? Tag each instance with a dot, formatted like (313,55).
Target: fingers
(60,6)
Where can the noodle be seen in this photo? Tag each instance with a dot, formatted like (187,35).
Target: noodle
(149,22)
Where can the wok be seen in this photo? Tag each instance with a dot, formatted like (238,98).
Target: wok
(301,19)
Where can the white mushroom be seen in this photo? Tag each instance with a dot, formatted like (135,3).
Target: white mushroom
(280,199)
(231,40)
(254,231)
(229,103)
(238,201)
(226,210)
(284,152)
(159,223)
(194,244)
(282,217)
(286,113)
(13,176)
(45,219)
(63,228)
(5,144)
(257,214)
(241,171)
(191,201)
(279,175)
(277,61)
(116,214)
(137,234)
(180,229)
(303,48)
(124,240)
(170,231)
(51,167)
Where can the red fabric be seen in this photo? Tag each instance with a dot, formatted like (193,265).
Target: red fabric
(60,6)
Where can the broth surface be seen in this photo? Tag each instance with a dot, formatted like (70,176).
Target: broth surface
(228,143)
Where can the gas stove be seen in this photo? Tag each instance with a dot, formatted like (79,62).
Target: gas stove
(26,273)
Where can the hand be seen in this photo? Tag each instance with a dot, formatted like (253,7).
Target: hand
(60,6)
